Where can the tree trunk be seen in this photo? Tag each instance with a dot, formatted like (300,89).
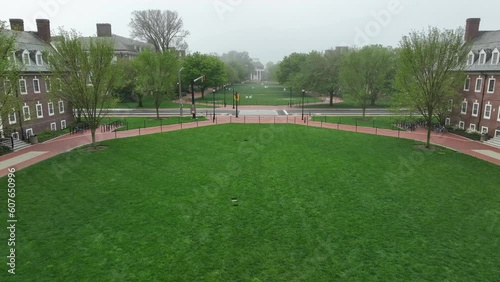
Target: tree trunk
(158,113)
(140,101)
(364,111)
(92,132)
(331,98)
(429,129)
(202,93)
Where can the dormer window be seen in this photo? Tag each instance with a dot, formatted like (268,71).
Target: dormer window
(26,57)
(470,59)
(482,57)
(39,58)
(495,56)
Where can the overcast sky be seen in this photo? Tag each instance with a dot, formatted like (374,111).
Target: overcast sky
(267,29)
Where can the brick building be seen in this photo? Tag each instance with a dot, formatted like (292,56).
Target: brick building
(480,107)
(37,111)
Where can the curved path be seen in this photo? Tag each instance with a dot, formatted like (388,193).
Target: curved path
(39,152)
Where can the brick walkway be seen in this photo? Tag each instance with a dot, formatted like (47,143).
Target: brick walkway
(39,152)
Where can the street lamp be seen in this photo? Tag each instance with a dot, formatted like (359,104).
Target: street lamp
(237,101)
(180,90)
(213,116)
(224,95)
(291,96)
(303,94)
(234,98)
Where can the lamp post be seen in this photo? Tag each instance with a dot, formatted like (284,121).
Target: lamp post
(234,98)
(291,96)
(213,116)
(180,90)
(193,106)
(224,95)
(237,101)
(303,94)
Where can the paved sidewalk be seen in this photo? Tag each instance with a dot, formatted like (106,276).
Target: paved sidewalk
(43,151)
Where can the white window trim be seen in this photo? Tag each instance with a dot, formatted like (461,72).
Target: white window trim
(26,52)
(15,117)
(15,135)
(462,107)
(48,109)
(467,85)
(53,126)
(47,85)
(483,54)
(494,84)
(5,87)
(447,121)
(475,86)
(39,58)
(36,81)
(25,86)
(39,107)
(491,109)
(477,112)
(497,133)
(498,118)
(24,113)
(59,107)
(29,132)
(461,125)
(472,127)
(495,51)
(63,124)
(469,61)
(485,129)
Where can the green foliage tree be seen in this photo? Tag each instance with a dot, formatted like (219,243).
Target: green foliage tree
(210,66)
(289,68)
(127,82)
(157,75)
(241,62)
(364,74)
(86,76)
(271,69)
(9,73)
(430,71)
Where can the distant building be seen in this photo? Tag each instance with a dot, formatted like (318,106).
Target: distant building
(259,73)
(37,112)
(480,107)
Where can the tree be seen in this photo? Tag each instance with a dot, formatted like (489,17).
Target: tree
(364,74)
(157,75)
(86,76)
(430,71)
(241,62)
(9,73)
(163,29)
(289,68)
(127,82)
(271,69)
(210,66)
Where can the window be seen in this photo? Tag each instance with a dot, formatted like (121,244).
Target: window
(39,58)
(475,109)
(487,111)
(447,121)
(497,133)
(470,59)
(36,85)
(22,86)
(63,124)
(29,132)
(59,84)
(485,130)
(461,125)
(495,56)
(463,110)
(491,85)
(467,84)
(472,127)
(7,87)
(12,117)
(50,107)
(26,57)
(479,84)
(15,135)
(39,110)
(53,126)
(450,108)
(61,107)
(47,85)
(482,57)
(498,118)
(26,112)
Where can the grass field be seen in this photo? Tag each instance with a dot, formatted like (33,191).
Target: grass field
(143,122)
(374,122)
(273,95)
(148,103)
(348,104)
(329,205)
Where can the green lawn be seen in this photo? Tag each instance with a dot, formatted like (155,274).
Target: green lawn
(348,104)
(147,102)
(273,95)
(143,122)
(313,205)
(374,122)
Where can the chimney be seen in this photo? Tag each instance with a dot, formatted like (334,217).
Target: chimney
(104,30)
(17,24)
(472,29)
(43,29)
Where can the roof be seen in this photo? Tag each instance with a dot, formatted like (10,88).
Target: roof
(122,44)
(26,40)
(486,41)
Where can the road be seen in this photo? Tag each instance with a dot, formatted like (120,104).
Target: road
(251,111)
